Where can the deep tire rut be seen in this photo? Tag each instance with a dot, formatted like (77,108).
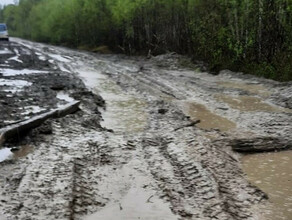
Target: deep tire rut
(83,169)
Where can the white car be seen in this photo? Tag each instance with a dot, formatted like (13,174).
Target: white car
(3,32)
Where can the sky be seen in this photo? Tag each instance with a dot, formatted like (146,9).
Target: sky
(5,2)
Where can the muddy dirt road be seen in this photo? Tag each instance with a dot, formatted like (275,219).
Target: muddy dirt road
(136,149)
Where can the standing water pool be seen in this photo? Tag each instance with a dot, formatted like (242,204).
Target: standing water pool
(272,173)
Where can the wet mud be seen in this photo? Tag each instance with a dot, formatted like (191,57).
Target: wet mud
(134,151)
(30,85)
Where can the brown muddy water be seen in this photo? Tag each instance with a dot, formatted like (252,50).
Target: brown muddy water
(249,103)
(23,151)
(208,119)
(251,88)
(272,173)
(124,112)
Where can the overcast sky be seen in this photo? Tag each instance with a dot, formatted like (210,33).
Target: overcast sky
(5,2)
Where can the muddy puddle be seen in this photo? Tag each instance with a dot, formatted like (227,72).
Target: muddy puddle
(251,88)
(272,173)
(23,151)
(124,112)
(249,103)
(7,154)
(208,119)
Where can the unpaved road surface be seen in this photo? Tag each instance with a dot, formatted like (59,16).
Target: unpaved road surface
(135,150)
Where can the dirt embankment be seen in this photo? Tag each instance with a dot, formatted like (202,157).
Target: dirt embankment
(30,84)
(148,156)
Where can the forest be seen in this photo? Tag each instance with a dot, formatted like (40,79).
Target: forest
(252,36)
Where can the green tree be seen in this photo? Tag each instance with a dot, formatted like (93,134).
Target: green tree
(248,35)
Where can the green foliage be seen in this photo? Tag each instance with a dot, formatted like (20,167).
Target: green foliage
(246,35)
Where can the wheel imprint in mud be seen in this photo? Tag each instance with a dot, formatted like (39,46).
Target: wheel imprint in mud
(199,178)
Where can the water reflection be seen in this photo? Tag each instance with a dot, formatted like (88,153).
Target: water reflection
(7,154)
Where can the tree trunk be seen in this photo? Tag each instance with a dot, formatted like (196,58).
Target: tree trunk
(21,128)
